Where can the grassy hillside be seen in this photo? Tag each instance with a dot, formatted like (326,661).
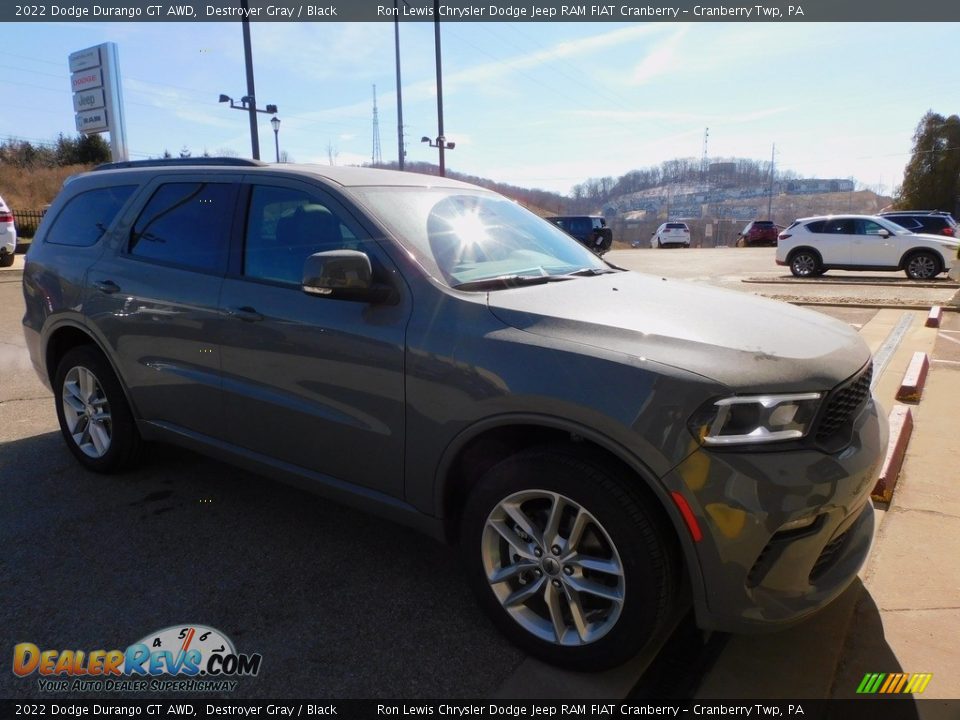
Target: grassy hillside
(33,188)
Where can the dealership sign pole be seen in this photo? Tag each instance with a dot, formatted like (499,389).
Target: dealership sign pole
(98,96)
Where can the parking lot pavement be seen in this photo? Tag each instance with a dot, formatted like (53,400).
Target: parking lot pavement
(754,270)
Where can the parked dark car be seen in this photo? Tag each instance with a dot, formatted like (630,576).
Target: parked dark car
(589,230)
(758,232)
(431,351)
(931,222)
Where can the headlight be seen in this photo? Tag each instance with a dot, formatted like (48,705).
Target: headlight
(748,419)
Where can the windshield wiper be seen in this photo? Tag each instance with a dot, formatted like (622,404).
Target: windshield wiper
(508,281)
(589,272)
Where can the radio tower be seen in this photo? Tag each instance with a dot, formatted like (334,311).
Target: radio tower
(376,158)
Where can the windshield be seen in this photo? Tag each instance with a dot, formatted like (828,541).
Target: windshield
(461,237)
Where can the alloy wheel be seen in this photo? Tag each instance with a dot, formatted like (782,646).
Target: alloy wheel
(87,412)
(553,567)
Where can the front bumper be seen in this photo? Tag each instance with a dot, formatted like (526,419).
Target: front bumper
(758,569)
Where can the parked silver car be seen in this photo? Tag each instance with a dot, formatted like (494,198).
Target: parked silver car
(594,439)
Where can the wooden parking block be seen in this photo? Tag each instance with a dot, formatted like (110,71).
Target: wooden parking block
(901,426)
(911,387)
(936,314)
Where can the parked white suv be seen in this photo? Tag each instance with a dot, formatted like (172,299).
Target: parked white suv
(8,235)
(813,245)
(671,234)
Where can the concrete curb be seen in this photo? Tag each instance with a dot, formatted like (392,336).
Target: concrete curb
(911,387)
(935,316)
(901,427)
(868,306)
(853,283)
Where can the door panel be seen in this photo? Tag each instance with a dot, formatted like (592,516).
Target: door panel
(868,247)
(155,301)
(834,241)
(311,381)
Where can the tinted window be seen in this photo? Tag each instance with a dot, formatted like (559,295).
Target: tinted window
(815,227)
(85,218)
(285,227)
(905,222)
(676,226)
(839,226)
(185,224)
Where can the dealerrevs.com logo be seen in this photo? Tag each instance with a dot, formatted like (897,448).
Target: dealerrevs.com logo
(180,658)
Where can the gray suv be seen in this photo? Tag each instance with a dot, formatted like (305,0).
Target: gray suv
(593,439)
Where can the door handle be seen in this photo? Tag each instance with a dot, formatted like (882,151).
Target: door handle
(107,287)
(246,313)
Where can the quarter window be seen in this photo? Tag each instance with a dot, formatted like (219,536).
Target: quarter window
(185,224)
(85,218)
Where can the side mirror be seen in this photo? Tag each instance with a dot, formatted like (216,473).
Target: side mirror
(884,233)
(343,275)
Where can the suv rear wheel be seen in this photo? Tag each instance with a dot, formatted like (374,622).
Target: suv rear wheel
(94,416)
(922,265)
(567,559)
(805,263)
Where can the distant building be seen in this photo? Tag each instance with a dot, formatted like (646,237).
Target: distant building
(816,185)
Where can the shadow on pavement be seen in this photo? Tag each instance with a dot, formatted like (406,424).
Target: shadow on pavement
(338,603)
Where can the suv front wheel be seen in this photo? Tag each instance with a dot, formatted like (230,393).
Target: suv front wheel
(567,558)
(922,266)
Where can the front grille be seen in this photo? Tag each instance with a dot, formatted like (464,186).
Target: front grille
(843,404)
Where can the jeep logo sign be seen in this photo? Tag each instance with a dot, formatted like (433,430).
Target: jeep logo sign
(88,100)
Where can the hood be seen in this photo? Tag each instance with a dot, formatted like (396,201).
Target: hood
(747,343)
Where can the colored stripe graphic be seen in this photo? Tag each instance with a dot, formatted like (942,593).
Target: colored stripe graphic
(894,683)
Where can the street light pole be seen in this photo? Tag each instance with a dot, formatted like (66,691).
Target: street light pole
(441,141)
(396,42)
(275,122)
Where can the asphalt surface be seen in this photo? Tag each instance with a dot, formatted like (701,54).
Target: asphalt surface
(340,604)
(754,270)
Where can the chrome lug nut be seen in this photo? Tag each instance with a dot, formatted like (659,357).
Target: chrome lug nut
(555,549)
(556,583)
(538,552)
(568,570)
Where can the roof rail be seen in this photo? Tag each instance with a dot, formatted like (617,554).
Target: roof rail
(168,162)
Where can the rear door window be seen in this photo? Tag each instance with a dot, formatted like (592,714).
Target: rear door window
(186,224)
(86,217)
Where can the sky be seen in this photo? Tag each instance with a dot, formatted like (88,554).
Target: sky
(544,105)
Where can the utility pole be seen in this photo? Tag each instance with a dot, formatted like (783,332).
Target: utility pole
(441,140)
(396,43)
(770,193)
(251,93)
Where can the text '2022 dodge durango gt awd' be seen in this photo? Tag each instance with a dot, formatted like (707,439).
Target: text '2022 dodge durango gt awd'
(594,439)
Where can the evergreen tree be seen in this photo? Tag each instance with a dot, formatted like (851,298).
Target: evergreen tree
(931,180)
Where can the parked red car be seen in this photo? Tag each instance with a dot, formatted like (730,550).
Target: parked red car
(759,232)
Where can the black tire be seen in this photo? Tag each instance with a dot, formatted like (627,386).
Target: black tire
(123,446)
(623,531)
(923,265)
(6,259)
(805,263)
(659,244)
